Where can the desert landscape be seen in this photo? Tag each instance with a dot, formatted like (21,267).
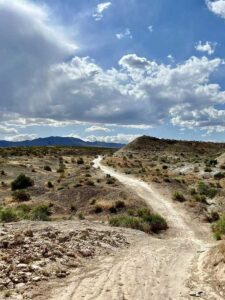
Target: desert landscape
(142,222)
(112,150)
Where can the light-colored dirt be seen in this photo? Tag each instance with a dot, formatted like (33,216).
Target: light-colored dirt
(151,268)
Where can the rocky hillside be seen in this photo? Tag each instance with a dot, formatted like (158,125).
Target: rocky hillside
(147,143)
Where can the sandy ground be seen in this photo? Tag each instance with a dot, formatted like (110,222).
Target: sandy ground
(165,268)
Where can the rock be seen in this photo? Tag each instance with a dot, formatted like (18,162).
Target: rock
(196,293)
(85,252)
(36,279)
(21,266)
(21,286)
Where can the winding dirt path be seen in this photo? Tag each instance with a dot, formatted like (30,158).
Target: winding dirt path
(151,268)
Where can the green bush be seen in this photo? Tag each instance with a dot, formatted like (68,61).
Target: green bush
(142,220)
(8,215)
(23,212)
(129,222)
(21,196)
(22,182)
(205,190)
(219,228)
(41,213)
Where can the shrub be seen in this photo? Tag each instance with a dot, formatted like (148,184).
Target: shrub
(120,204)
(219,228)
(81,216)
(21,196)
(61,168)
(41,213)
(90,183)
(23,212)
(193,191)
(205,190)
(98,209)
(8,215)
(200,198)
(208,169)
(129,222)
(156,222)
(73,208)
(142,220)
(50,185)
(219,175)
(47,168)
(211,162)
(80,161)
(110,180)
(22,182)
(179,197)
(112,209)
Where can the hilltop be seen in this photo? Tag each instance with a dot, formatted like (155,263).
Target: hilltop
(153,144)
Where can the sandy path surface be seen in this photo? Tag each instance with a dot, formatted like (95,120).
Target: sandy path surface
(151,268)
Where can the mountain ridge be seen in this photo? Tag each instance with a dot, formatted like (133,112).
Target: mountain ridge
(58,141)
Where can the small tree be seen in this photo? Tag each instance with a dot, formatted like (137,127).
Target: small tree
(21,182)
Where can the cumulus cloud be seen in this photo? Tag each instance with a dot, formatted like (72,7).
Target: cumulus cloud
(20,137)
(119,138)
(101,7)
(124,34)
(30,46)
(150,28)
(97,128)
(217,7)
(6,129)
(41,84)
(208,47)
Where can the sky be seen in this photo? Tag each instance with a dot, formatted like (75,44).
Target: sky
(112,70)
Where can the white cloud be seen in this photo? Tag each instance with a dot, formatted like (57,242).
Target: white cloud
(208,47)
(150,28)
(42,122)
(217,7)
(101,7)
(171,58)
(125,34)
(20,137)
(41,85)
(119,138)
(97,128)
(6,129)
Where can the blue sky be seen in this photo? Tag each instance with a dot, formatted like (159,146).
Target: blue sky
(112,70)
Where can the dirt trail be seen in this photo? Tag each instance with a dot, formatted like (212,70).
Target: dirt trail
(151,268)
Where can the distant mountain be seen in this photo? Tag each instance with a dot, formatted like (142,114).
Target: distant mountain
(59,141)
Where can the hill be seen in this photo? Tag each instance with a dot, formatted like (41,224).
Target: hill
(59,141)
(153,144)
